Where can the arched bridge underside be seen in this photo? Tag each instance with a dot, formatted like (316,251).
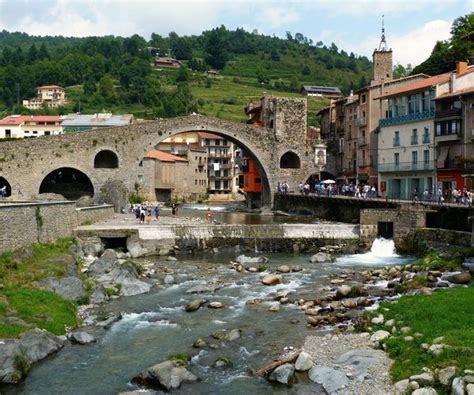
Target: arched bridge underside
(25,164)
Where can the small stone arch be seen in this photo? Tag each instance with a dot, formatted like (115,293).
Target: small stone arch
(68,182)
(6,184)
(106,159)
(290,160)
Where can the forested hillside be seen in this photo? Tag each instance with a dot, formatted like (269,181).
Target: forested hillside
(445,53)
(117,73)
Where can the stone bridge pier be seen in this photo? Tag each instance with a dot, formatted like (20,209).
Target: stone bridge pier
(279,149)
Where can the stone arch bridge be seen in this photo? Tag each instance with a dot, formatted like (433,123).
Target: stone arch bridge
(25,164)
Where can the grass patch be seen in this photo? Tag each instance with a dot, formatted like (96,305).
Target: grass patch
(19,272)
(42,308)
(181,358)
(447,313)
(434,261)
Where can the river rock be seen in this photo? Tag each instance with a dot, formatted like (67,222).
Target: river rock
(304,362)
(320,257)
(81,338)
(70,287)
(423,379)
(343,291)
(282,374)
(359,361)
(401,387)
(109,320)
(232,335)
(459,278)
(424,391)
(171,259)
(199,343)
(446,375)
(470,389)
(379,336)
(97,294)
(457,387)
(332,380)
(202,288)
(194,305)
(222,362)
(168,280)
(272,279)
(244,260)
(275,308)
(378,320)
(104,264)
(168,375)
(215,305)
(283,269)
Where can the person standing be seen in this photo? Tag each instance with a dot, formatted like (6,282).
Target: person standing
(209,215)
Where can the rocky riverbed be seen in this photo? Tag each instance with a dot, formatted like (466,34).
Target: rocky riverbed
(231,315)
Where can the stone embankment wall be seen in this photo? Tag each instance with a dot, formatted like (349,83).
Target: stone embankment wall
(22,224)
(161,240)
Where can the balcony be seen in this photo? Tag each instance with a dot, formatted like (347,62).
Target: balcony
(406,166)
(450,113)
(363,162)
(361,121)
(414,139)
(219,177)
(216,155)
(396,141)
(451,164)
(407,118)
(361,141)
(426,138)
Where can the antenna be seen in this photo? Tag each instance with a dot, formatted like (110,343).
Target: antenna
(383,43)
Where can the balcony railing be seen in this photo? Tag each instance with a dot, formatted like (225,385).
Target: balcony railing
(451,113)
(406,166)
(361,141)
(216,155)
(426,138)
(363,162)
(419,116)
(361,121)
(414,139)
(396,141)
(219,177)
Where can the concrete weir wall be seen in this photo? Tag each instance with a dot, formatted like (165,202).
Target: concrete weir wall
(277,237)
(23,223)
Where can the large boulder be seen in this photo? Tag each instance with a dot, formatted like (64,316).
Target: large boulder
(332,380)
(283,269)
(320,257)
(459,278)
(166,375)
(360,361)
(194,305)
(126,275)
(272,279)
(282,374)
(243,259)
(104,264)
(81,337)
(70,287)
(446,375)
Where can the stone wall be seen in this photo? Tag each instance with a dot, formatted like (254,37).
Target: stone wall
(22,224)
(94,214)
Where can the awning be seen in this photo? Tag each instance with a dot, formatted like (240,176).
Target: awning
(442,156)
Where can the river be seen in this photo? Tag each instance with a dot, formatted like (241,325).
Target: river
(155,325)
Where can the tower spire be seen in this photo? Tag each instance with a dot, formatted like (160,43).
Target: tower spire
(383,43)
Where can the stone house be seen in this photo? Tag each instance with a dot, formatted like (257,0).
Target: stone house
(167,62)
(30,126)
(167,177)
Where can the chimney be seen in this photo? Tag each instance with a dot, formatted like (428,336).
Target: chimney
(461,67)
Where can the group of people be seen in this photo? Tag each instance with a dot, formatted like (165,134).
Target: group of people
(458,196)
(144,212)
(330,189)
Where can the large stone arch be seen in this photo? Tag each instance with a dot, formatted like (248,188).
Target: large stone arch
(68,182)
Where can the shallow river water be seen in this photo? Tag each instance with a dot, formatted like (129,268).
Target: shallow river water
(155,325)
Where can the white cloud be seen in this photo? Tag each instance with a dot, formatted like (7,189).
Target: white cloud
(416,46)
(274,17)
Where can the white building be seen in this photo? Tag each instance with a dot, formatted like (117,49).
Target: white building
(406,146)
(49,95)
(27,126)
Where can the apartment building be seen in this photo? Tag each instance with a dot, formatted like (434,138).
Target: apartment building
(50,96)
(29,126)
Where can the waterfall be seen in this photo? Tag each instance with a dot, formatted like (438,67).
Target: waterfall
(382,252)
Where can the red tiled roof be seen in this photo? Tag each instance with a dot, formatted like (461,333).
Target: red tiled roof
(164,156)
(418,85)
(459,92)
(20,119)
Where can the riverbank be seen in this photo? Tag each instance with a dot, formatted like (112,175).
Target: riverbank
(180,299)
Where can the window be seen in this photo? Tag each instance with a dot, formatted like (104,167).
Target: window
(396,159)
(47,133)
(35,132)
(414,137)
(195,182)
(396,139)
(414,157)
(27,131)
(363,98)
(426,135)
(426,156)
(218,142)
(8,133)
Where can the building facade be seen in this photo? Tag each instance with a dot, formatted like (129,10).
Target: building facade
(50,96)
(406,152)
(30,126)
(85,122)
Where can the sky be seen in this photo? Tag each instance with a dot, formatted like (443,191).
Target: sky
(412,26)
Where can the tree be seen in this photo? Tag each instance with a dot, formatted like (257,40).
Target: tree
(32,54)
(183,74)
(306,70)
(106,87)
(89,86)
(275,56)
(43,53)
(216,53)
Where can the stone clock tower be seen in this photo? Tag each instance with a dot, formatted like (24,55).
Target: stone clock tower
(382,61)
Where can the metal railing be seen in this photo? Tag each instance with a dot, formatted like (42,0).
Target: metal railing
(406,166)
(418,116)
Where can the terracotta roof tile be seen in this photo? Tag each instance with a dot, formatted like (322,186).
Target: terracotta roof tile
(418,85)
(164,156)
(20,119)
